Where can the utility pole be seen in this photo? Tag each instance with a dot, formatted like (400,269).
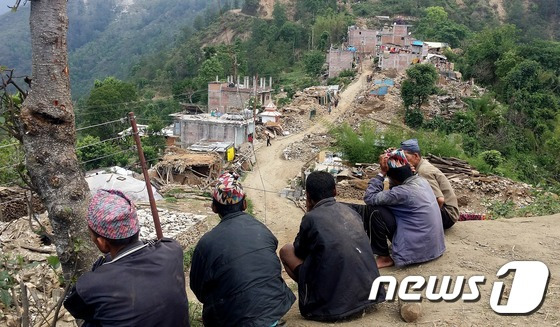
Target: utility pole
(155,214)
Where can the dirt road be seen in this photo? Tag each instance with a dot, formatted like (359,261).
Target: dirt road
(473,248)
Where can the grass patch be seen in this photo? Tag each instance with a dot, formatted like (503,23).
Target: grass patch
(170,199)
(174,191)
(187,258)
(195,314)
(545,204)
(250,207)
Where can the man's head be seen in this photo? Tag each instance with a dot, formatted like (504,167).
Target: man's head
(399,168)
(318,186)
(112,220)
(412,151)
(228,195)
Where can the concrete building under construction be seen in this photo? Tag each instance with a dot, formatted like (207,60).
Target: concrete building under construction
(363,39)
(233,95)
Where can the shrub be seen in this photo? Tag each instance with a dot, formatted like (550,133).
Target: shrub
(413,118)
(499,209)
(492,157)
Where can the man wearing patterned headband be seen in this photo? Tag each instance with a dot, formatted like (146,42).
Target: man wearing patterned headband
(407,214)
(235,271)
(135,283)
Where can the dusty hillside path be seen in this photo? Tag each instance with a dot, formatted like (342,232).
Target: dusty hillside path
(272,173)
(473,248)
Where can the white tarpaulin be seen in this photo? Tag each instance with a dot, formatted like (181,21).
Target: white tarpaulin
(135,189)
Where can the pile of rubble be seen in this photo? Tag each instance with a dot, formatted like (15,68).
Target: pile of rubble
(451,102)
(180,166)
(307,148)
(311,102)
(295,121)
(471,187)
(25,265)
(13,203)
(172,223)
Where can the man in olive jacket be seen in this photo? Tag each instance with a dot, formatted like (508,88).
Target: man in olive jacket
(331,258)
(235,271)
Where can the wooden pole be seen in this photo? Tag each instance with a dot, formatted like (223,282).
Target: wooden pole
(155,214)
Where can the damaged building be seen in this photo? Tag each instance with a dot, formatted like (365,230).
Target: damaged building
(340,59)
(232,128)
(234,94)
(363,39)
(179,166)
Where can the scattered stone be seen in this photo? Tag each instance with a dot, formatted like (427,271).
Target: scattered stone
(172,223)
(410,311)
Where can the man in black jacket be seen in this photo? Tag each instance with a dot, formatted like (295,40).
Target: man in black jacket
(331,258)
(135,283)
(235,271)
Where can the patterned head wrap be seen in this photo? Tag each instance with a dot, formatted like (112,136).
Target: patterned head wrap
(112,214)
(228,190)
(397,159)
(399,169)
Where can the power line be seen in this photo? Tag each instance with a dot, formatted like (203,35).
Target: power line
(122,120)
(100,142)
(107,156)
(168,97)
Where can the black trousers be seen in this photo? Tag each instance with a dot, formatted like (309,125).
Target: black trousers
(447,221)
(380,225)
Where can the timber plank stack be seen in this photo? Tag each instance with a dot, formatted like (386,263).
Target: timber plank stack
(452,167)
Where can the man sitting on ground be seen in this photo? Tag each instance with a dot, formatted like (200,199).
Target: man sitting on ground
(330,259)
(235,271)
(135,283)
(445,196)
(412,223)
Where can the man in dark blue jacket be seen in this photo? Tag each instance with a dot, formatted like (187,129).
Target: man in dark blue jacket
(331,258)
(235,271)
(135,283)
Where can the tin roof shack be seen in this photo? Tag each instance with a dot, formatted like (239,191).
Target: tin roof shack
(339,60)
(232,128)
(363,39)
(233,96)
(180,166)
(225,149)
(436,47)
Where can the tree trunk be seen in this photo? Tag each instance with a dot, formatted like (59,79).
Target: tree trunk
(49,136)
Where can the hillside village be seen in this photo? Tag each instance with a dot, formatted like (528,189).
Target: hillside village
(231,132)
(229,135)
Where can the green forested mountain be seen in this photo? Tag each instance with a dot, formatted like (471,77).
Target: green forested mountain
(105,38)
(162,53)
